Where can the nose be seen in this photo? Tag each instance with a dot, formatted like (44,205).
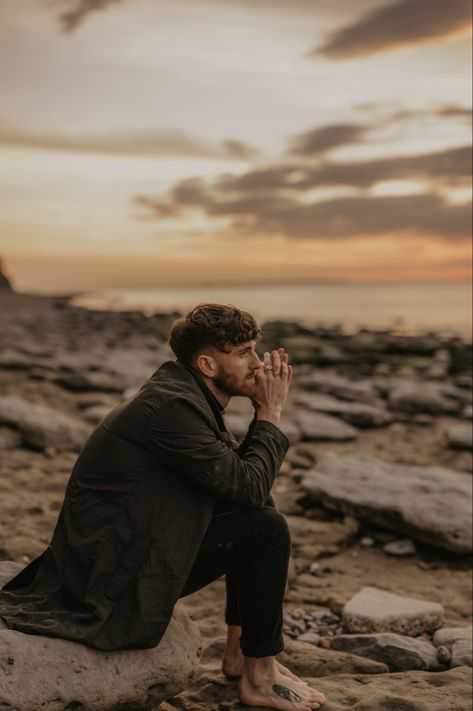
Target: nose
(256,363)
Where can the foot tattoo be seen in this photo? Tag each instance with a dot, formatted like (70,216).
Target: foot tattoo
(286,693)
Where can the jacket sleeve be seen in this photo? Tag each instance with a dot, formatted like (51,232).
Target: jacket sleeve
(247,439)
(181,436)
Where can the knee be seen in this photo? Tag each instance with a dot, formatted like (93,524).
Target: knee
(272,521)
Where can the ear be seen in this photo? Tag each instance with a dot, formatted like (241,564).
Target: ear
(206,364)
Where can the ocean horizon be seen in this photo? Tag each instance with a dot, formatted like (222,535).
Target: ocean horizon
(401,308)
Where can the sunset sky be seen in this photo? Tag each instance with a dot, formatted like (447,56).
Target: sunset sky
(158,142)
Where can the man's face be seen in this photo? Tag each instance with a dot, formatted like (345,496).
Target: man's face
(236,369)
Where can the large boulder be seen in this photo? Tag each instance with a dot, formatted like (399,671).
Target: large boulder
(375,610)
(431,504)
(41,426)
(53,674)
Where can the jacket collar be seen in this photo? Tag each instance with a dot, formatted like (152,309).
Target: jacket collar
(216,406)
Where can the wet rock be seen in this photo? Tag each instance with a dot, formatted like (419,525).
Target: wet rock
(398,652)
(317,427)
(431,504)
(51,673)
(41,426)
(360,414)
(400,548)
(375,610)
(458,641)
(460,436)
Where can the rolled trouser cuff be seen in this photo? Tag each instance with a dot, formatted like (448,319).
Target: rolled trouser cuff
(262,649)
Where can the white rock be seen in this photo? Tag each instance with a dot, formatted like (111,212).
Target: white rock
(375,610)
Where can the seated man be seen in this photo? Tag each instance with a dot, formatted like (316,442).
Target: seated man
(162,500)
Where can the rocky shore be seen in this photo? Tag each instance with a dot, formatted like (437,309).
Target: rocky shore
(376,488)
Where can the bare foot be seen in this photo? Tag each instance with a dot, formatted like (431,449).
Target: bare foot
(277,691)
(233,662)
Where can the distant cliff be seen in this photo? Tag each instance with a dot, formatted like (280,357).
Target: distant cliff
(4,282)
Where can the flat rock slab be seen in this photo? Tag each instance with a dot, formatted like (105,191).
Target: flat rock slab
(316,426)
(41,426)
(339,386)
(51,674)
(459,642)
(360,414)
(398,652)
(305,660)
(375,610)
(431,504)
(398,691)
(412,396)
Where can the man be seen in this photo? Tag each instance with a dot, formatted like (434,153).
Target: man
(162,500)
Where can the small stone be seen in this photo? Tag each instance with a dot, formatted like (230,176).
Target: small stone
(367,541)
(444,655)
(325,642)
(402,547)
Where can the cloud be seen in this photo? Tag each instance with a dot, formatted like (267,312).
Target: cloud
(319,140)
(138,143)
(453,165)
(399,24)
(80,9)
(339,218)
(269,200)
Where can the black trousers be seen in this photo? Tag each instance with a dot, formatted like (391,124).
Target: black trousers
(252,548)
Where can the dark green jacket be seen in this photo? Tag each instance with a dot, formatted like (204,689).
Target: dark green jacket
(138,502)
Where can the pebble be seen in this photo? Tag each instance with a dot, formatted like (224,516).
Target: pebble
(402,547)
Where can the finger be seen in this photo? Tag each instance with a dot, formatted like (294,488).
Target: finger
(267,368)
(276,361)
(289,374)
(284,369)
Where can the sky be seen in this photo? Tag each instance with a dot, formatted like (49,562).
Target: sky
(149,143)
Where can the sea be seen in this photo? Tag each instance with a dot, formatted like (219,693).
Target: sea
(405,309)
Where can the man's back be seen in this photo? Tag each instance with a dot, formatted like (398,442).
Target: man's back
(137,505)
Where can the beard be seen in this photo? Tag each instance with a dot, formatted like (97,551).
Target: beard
(232,384)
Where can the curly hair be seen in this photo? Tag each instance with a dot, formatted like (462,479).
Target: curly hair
(214,325)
